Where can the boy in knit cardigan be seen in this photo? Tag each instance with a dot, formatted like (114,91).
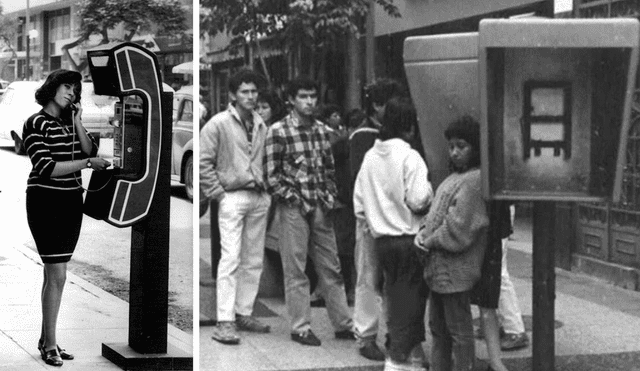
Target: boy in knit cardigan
(391,192)
(453,240)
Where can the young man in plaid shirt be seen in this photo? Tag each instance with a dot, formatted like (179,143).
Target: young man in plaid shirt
(300,176)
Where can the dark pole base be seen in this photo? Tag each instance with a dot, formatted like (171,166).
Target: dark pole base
(126,358)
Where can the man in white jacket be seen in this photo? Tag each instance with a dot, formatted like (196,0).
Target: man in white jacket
(392,192)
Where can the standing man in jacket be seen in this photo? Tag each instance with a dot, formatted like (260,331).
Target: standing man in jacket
(231,152)
(300,175)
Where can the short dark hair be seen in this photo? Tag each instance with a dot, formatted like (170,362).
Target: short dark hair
(380,91)
(467,128)
(278,108)
(245,75)
(399,118)
(301,83)
(48,90)
(355,117)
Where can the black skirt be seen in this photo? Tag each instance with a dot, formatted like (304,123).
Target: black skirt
(55,218)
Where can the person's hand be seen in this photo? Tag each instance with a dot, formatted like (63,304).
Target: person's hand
(98,163)
(76,111)
(419,241)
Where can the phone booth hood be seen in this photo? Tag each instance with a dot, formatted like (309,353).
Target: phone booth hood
(553,98)
(556,99)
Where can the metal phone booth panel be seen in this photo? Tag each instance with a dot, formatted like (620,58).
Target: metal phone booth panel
(442,71)
(130,72)
(555,99)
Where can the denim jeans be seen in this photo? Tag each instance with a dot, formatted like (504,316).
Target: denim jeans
(311,235)
(453,347)
(242,216)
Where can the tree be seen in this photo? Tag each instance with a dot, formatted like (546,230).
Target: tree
(314,26)
(164,17)
(8,28)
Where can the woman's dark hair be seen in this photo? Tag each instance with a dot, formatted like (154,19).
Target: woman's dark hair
(326,110)
(399,118)
(278,109)
(48,90)
(301,83)
(467,128)
(247,76)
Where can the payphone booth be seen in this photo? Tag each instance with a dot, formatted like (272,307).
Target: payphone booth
(553,98)
(555,109)
(136,193)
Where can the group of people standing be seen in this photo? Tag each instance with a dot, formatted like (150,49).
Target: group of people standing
(260,161)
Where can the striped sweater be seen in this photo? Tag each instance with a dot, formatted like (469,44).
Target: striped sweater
(49,140)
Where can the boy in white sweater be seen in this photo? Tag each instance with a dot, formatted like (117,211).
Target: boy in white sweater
(391,193)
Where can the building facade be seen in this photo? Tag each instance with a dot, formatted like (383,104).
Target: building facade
(54,23)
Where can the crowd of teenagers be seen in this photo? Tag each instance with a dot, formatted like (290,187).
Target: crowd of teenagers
(359,225)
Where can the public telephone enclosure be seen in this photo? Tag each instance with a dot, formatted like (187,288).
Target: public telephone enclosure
(442,71)
(555,97)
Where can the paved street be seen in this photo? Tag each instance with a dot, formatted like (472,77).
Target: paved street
(597,325)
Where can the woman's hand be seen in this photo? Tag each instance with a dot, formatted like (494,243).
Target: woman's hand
(420,240)
(98,163)
(77,115)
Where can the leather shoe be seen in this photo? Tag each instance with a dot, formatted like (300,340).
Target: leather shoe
(371,351)
(306,338)
(345,335)
(52,357)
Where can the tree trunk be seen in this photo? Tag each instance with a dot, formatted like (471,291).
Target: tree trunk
(353,98)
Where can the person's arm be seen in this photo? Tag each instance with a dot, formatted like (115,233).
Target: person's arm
(418,191)
(272,163)
(358,189)
(41,158)
(209,146)
(466,218)
(69,167)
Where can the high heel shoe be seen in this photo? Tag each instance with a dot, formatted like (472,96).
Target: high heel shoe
(52,357)
(63,353)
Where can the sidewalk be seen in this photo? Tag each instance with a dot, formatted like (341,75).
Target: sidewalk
(89,316)
(597,325)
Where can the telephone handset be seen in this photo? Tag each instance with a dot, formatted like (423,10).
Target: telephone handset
(130,72)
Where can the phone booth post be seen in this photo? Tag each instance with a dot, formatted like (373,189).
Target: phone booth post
(553,98)
(136,193)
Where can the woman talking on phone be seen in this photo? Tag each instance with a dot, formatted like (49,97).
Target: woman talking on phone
(58,147)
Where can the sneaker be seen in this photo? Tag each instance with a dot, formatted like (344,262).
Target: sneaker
(225,332)
(390,365)
(345,335)
(371,351)
(249,323)
(514,341)
(306,338)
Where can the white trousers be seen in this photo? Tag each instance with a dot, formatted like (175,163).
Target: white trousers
(242,216)
(368,304)
(509,313)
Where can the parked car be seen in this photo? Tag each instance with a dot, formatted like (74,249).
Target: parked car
(182,143)
(3,86)
(18,103)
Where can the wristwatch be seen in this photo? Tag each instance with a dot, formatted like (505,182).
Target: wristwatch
(89,165)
